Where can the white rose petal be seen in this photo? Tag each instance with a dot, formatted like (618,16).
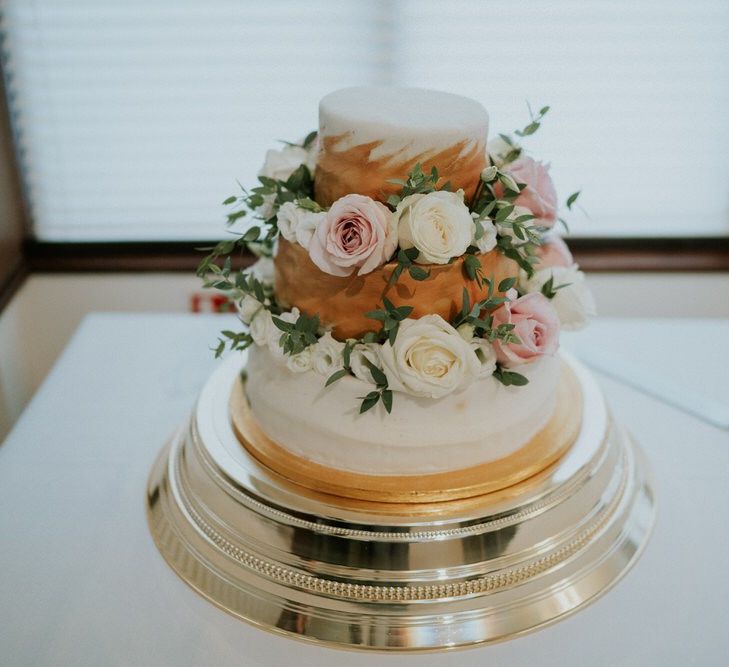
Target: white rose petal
(429,358)
(280,164)
(437,224)
(301,362)
(266,209)
(248,307)
(487,242)
(575,304)
(486,356)
(297,224)
(260,327)
(327,355)
(465,331)
(263,270)
(360,352)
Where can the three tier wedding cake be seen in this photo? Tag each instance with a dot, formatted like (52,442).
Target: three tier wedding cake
(403,320)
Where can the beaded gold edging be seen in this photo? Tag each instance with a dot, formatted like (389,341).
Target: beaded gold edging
(533,509)
(375,593)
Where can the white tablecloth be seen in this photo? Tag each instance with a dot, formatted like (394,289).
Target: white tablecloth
(81,582)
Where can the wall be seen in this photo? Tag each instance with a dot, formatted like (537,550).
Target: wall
(11,211)
(36,325)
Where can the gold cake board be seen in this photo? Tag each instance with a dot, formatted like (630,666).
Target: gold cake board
(354,573)
(540,452)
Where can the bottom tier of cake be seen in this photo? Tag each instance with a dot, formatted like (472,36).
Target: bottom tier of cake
(367,574)
(484,422)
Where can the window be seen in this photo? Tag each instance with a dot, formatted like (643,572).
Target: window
(133,120)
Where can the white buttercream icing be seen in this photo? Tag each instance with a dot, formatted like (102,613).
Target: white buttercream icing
(482,423)
(408,121)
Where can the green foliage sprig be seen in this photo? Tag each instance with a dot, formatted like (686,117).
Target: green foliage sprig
(382,393)
(298,187)
(390,316)
(509,378)
(297,336)
(535,123)
(417,182)
(480,318)
(406,260)
(549,289)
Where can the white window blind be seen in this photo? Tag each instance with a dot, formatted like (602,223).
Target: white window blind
(134,119)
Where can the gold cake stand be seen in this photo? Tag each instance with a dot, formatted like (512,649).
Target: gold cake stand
(355,573)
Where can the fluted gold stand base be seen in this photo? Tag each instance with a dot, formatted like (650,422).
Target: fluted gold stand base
(402,577)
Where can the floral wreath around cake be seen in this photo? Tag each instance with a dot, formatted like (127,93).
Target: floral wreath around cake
(513,211)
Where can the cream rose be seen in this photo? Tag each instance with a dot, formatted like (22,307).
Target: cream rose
(263,270)
(486,356)
(356,233)
(429,358)
(280,164)
(260,327)
(268,207)
(248,307)
(296,224)
(575,304)
(437,224)
(301,362)
(327,355)
(487,241)
(360,352)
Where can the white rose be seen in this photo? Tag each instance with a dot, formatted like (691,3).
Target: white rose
(301,362)
(274,333)
(266,209)
(297,224)
(465,331)
(487,242)
(486,355)
(248,307)
(360,352)
(498,149)
(280,164)
(437,224)
(429,358)
(263,270)
(508,230)
(260,327)
(575,304)
(327,355)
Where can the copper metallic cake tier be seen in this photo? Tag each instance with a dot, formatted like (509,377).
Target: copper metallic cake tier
(357,573)
(341,302)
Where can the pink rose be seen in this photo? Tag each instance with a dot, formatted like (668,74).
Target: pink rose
(357,232)
(553,252)
(539,196)
(535,324)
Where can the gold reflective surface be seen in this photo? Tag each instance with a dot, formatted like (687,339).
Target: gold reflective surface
(390,576)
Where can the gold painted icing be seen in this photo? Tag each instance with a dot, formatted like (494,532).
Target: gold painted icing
(342,172)
(341,302)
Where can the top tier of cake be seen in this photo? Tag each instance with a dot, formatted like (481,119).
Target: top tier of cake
(369,135)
